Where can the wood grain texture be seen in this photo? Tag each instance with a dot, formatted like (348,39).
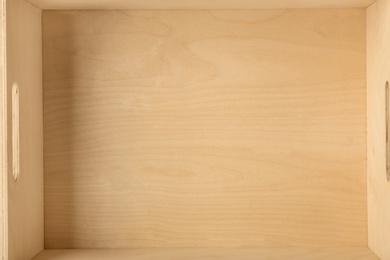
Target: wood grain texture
(199,4)
(334,253)
(3,137)
(204,128)
(378,72)
(24,66)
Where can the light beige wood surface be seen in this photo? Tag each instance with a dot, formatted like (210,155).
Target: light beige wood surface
(3,137)
(24,66)
(204,128)
(198,4)
(378,72)
(281,253)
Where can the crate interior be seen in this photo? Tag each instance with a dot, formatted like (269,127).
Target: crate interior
(205,134)
(204,128)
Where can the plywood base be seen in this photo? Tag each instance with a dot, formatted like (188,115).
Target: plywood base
(301,253)
(204,128)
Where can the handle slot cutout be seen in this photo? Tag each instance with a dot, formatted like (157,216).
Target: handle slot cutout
(387,132)
(15,133)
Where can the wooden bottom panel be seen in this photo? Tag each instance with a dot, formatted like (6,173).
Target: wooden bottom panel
(204,128)
(301,253)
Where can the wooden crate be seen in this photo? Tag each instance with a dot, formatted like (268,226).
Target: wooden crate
(194,129)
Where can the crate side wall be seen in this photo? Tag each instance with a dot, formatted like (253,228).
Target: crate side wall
(24,67)
(378,73)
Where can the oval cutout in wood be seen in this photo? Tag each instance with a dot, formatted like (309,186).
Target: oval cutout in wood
(15,132)
(387,132)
